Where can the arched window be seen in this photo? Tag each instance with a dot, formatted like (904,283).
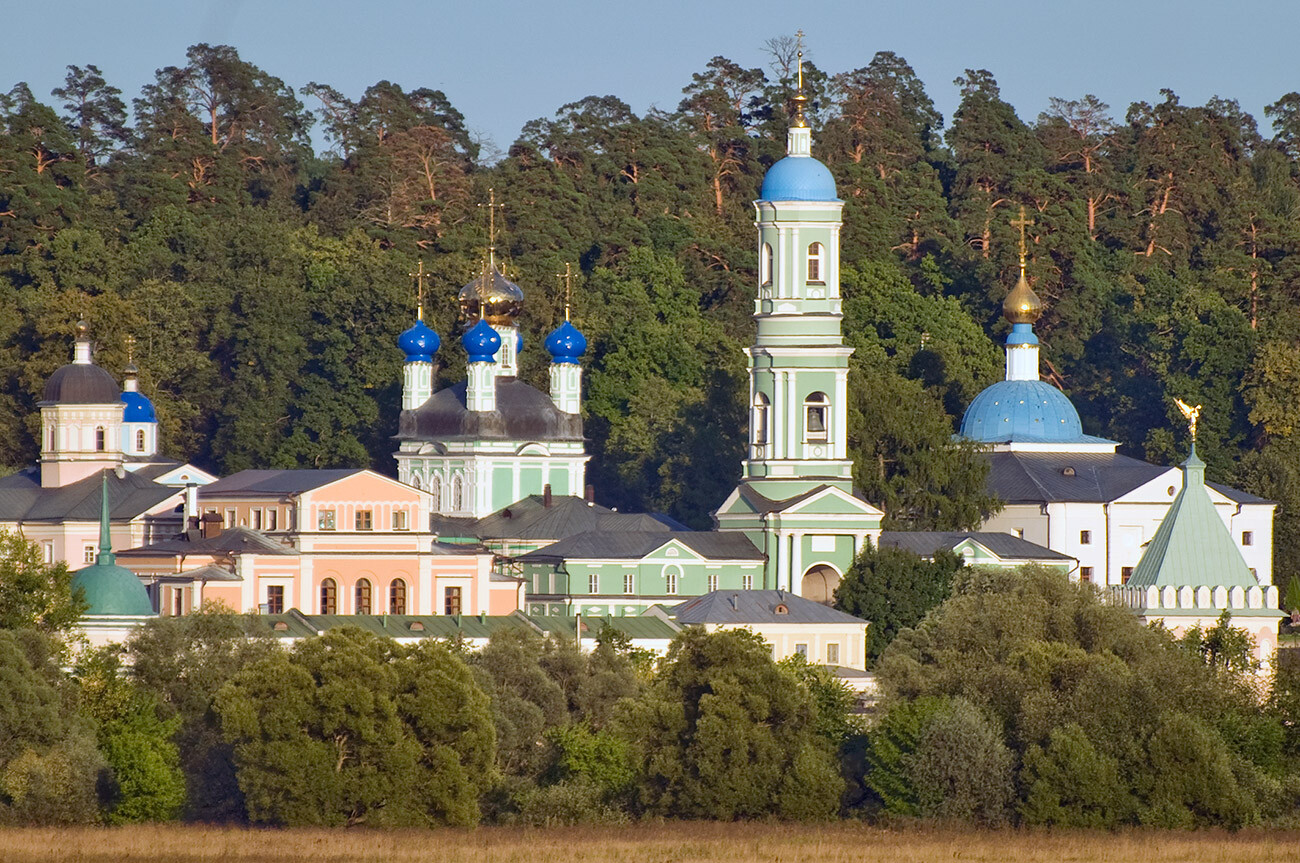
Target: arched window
(139,440)
(329,597)
(435,490)
(457,494)
(363,596)
(765,263)
(815,410)
(762,415)
(416,481)
(53,445)
(99,439)
(397,597)
(815,264)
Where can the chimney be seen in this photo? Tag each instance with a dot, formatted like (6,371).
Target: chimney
(546,495)
(210,525)
(591,494)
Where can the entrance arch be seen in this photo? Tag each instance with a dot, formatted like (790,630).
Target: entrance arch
(819,583)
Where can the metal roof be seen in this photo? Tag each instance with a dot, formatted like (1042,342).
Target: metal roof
(757,606)
(1038,477)
(530,518)
(522,413)
(634,545)
(262,482)
(129,496)
(1004,545)
(234,540)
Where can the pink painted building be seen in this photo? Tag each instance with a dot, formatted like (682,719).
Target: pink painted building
(322,541)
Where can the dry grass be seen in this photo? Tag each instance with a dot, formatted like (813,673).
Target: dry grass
(663,843)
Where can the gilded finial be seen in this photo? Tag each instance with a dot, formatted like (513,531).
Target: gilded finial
(800,100)
(130,357)
(81,328)
(567,275)
(1192,414)
(1022,305)
(419,276)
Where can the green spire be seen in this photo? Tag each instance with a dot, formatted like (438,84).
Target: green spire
(111,590)
(106,556)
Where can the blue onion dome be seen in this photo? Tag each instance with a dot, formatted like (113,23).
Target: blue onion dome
(1022,411)
(419,343)
(136,408)
(565,343)
(481,342)
(519,343)
(798,178)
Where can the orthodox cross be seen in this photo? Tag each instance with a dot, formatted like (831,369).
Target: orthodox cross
(130,349)
(567,275)
(1192,414)
(492,207)
(799,54)
(799,98)
(419,275)
(1022,223)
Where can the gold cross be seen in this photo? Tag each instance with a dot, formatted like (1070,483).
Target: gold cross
(492,207)
(1022,223)
(130,348)
(799,49)
(567,275)
(419,275)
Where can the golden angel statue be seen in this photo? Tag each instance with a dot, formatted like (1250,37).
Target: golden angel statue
(1192,414)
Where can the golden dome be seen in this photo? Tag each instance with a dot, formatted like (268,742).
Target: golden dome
(1022,305)
(493,297)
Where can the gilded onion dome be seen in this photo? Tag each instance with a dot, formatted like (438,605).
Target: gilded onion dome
(1022,305)
(492,297)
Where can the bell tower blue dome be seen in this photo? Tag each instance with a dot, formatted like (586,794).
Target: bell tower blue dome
(419,343)
(566,343)
(481,342)
(798,178)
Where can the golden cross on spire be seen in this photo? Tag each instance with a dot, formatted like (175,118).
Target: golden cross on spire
(492,207)
(567,275)
(1022,223)
(419,276)
(799,55)
(130,349)
(800,100)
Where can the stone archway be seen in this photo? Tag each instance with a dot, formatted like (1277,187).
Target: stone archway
(819,583)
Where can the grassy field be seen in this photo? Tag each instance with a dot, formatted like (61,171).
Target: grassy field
(733,843)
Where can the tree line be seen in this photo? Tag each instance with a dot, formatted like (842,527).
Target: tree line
(1009,697)
(266,281)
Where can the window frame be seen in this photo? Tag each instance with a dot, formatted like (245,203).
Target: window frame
(817,403)
(363,596)
(275,599)
(816,260)
(364,520)
(400,520)
(328,596)
(397,596)
(327,519)
(453,600)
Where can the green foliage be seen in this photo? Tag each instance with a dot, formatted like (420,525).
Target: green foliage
(892,744)
(1070,784)
(34,594)
(893,589)
(724,733)
(962,770)
(147,781)
(49,765)
(350,728)
(1222,645)
(836,702)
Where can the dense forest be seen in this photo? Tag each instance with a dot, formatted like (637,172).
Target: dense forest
(265,282)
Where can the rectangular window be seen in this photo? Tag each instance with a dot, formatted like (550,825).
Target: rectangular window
(178,601)
(47,552)
(257,519)
(593,583)
(1126,573)
(230,518)
(671,586)
(89,556)
(272,519)
(823,543)
(832,654)
(1248,537)
(747,582)
(325,521)
(628,583)
(275,599)
(713,583)
(365,521)
(399,520)
(1085,574)
(289,518)
(801,650)
(451,600)
(1085,537)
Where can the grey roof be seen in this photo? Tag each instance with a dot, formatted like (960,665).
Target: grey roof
(1036,477)
(522,414)
(81,384)
(530,518)
(757,606)
(129,496)
(235,540)
(633,545)
(1004,545)
(262,482)
(207,573)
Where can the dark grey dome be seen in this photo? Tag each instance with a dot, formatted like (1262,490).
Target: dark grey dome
(523,414)
(81,384)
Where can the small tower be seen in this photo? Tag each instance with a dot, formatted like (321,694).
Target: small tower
(494,298)
(116,600)
(81,418)
(482,342)
(566,345)
(139,420)
(419,344)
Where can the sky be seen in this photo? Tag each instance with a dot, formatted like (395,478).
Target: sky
(502,64)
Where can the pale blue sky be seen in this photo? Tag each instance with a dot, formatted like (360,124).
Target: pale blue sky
(504,63)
